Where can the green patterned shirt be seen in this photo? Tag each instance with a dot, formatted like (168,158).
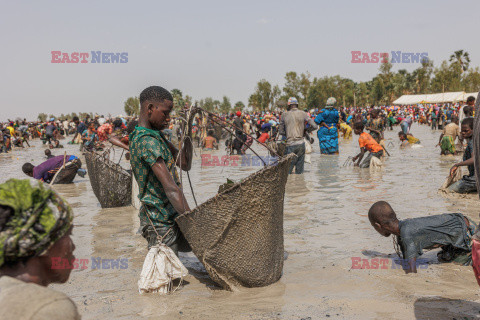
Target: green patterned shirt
(146,147)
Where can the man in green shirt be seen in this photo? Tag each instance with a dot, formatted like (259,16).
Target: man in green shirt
(153,159)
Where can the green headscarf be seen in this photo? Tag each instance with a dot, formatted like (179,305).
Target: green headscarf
(40,217)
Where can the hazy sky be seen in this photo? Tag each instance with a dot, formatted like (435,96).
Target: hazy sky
(208,48)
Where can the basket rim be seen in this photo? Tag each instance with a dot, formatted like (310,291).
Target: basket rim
(238,184)
(109,162)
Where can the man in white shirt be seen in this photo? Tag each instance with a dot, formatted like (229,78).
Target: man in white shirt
(292,126)
(66,126)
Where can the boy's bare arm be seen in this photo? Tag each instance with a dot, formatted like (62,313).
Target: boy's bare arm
(468,162)
(359,156)
(173,192)
(184,161)
(440,140)
(117,142)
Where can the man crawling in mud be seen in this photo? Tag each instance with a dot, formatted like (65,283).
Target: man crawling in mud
(452,232)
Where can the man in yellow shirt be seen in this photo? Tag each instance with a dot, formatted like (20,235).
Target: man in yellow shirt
(12,130)
(346,130)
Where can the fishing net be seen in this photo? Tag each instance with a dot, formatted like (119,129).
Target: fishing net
(67,173)
(111,183)
(238,234)
(278,146)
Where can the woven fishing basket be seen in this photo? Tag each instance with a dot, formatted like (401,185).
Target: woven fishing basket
(111,183)
(238,234)
(67,173)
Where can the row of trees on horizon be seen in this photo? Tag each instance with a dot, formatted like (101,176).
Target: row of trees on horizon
(456,74)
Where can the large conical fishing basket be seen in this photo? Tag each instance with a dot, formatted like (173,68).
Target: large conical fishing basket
(238,234)
(111,183)
(67,172)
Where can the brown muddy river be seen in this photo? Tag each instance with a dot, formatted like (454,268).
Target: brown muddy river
(326,225)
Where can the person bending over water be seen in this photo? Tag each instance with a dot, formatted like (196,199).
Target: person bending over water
(468,183)
(452,232)
(46,171)
(366,143)
(345,129)
(407,139)
(447,139)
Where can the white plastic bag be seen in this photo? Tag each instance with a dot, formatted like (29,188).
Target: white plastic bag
(308,150)
(160,268)
(375,163)
(452,179)
(308,146)
(135,191)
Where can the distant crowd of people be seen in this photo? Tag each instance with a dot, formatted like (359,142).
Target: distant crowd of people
(284,131)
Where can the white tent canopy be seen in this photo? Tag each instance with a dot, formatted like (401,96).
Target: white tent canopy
(444,97)
(474,94)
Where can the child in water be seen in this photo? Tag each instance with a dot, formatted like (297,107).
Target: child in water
(366,143)
(452,232)
(407,139)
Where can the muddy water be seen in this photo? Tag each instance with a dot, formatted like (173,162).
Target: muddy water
(325,227)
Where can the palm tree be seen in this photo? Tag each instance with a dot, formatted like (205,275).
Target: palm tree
(462,58)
